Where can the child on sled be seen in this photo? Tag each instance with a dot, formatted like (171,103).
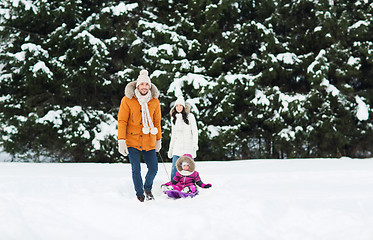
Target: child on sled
(186,177)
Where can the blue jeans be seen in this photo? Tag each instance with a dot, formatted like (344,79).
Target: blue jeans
(173,168)
(151,161)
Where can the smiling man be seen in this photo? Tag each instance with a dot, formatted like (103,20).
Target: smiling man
(139,131)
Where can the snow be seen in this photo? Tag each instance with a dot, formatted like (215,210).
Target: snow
(287,99)
(320,56)
(231,79)
(362,109)
(330,88)
(154,51)
(36,49)
(260,98)
(318,29)
(4,157)
(288,58)
(106,128)
(27,4)
(121,9)
(214,49)
(358,24)
(96,43)
(42,67)
(353,61)
(288,133)
(253,199)
(197,80)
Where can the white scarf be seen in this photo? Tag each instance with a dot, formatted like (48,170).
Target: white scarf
(185,173)
(147,122)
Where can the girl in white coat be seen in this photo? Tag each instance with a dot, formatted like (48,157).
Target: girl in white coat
(184,133)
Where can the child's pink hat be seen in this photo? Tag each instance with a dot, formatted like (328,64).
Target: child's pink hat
(188,155)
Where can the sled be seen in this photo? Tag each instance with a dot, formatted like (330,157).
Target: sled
(178,194)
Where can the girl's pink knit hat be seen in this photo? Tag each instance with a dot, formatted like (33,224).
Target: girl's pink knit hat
(188,155)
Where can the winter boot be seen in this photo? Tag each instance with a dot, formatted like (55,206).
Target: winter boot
(186,190)
(149,196)
(166,188)
(140,198)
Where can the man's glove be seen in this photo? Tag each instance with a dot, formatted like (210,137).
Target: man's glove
(122,147)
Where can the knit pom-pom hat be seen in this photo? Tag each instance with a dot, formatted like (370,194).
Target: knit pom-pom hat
(188,155)
(180,100)
(143,78)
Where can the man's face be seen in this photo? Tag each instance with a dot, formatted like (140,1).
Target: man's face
(143,88)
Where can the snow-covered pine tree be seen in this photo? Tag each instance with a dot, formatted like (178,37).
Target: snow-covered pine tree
(57,93)
(266,79)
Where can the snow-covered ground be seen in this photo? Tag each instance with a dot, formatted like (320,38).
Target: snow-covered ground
(4,157)
(316,199)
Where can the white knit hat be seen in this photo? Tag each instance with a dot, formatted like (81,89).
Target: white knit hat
(184,163)
(180,100)
(143,78)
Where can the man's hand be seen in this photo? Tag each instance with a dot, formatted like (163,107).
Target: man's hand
(122,147)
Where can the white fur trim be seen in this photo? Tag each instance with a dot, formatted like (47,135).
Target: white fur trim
(185,173)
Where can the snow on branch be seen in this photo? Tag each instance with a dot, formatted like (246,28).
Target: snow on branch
(27,4)
(120,9)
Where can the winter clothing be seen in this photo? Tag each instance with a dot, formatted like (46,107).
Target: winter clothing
(143,78)
(139,131)
(184,137)
(181,101)
(147,122)
(158,145)
(188,156)
(151,161)
(173,166)
(122,147)
(130,119)
(149,196)
(184,178)
(140,198)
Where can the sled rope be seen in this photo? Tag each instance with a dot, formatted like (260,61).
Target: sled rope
(164,165)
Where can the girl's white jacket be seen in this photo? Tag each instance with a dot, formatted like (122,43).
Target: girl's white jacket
(184,137)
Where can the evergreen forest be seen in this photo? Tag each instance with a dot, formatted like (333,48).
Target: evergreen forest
(266,79)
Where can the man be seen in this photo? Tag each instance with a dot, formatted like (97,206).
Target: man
(139,131)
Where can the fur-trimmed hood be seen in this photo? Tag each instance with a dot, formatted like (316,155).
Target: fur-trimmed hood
(187,159)
(129,90)
(187,108)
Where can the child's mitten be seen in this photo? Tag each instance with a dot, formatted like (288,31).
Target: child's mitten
(166,188)
(206,185)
